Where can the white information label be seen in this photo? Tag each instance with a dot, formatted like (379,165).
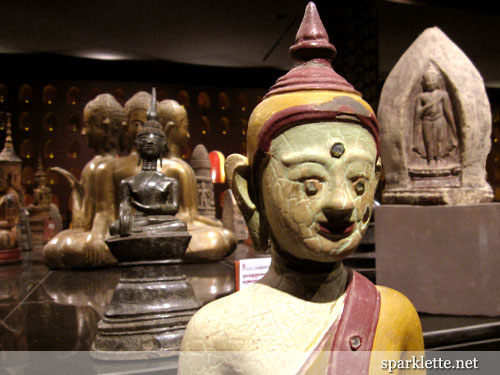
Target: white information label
(248,271)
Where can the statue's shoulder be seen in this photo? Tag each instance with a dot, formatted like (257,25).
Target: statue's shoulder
(176,167)
(163,181)
(395,301)
(399,325)
(215,324)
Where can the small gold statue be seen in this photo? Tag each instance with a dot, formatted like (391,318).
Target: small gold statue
(42,212)
(93,198)
(10,200)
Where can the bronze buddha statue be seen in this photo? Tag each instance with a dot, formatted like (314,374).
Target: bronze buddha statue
(210,240)
(126,166)
(154,196)
(152,302)
(92,198)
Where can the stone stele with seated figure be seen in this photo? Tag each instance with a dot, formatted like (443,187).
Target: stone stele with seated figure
(307,184)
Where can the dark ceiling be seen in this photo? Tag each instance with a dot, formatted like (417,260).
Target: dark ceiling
(228,33)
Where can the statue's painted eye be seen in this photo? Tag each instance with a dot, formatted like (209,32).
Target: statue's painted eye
(311,186)
(359,187)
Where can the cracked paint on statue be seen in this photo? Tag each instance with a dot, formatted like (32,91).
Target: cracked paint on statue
(328,224)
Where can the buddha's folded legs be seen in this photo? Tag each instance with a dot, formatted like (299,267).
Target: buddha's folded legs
(75,248)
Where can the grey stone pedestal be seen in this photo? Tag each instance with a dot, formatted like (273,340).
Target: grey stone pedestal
(445,259)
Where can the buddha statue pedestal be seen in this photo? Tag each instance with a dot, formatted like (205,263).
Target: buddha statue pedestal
(152,302)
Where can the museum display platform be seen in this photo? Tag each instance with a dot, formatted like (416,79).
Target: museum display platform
(48,310)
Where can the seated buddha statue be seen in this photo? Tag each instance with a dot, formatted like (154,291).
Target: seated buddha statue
(307,186)
(92,198)
(135,116)
(210,240)
(154,196)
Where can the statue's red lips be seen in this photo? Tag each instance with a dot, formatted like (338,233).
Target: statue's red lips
(336,232)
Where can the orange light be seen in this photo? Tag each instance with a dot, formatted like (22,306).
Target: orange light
(204,132)
(217,160)
(50,102)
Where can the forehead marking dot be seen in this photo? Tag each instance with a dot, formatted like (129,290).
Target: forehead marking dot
(337,149)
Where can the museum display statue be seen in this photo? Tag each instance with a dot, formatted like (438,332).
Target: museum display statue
(200,162)
(11,198)
(152,302)
(92,198)
(154,196)
(435,130)
(210,240)
(435,126)
(44,217)
(126,166)
(307,184)
(435,133)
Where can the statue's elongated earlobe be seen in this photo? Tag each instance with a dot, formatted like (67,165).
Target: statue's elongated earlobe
(239,180)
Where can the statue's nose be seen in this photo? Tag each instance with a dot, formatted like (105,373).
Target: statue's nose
(338,206)
(337,215)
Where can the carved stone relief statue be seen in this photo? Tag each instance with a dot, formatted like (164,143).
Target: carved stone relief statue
(435,126)
(434,130)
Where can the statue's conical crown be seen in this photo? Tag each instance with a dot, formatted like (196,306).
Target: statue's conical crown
(152,125)
(40,172)
(8,153)
(312,54)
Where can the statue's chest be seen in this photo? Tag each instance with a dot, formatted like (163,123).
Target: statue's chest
(150,189)
(288,325)
(431,98)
